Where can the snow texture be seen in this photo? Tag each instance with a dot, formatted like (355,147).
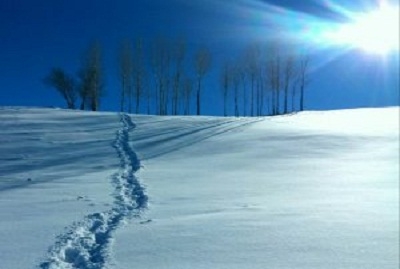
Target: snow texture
(117,191)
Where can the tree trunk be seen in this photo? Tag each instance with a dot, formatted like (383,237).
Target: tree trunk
(302,97)
(198,97)
(122,96)
(138,94)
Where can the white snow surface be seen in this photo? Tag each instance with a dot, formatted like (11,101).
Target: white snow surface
(108,190)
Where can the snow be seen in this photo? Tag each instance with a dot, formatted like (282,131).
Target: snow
(104,190)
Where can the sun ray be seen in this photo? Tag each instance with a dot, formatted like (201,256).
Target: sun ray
(376,31)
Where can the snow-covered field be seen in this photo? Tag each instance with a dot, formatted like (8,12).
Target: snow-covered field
(107,190)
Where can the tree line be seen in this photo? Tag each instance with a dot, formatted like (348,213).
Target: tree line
(167,78)
(268,80)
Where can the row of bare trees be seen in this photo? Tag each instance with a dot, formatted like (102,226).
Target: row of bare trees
(163,82)
(164,78)
(264,81)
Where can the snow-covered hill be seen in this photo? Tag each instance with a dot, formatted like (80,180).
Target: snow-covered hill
(107,190)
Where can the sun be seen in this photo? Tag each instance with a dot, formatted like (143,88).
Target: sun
(376,31)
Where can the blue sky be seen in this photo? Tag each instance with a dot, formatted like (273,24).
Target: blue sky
(38,35)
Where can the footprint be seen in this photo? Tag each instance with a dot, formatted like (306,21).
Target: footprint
(146,221)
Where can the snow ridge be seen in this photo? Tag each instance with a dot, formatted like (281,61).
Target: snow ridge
(87,243)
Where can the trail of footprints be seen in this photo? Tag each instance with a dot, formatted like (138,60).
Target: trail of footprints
(87,243)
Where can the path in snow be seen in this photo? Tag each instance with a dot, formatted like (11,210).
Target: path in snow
(86,244)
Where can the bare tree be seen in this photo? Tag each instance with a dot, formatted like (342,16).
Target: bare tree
(83,89)
(235,77)
(147,93)
(178,57)
(260,80)
(278,83)
(303,79)
(64,84)
(243,80)
(125,64)
(91,76)
(202,64)
(295,85)
(288,74)
(160,62)
(272,82)
(138,73)
(187,89)
(252,58)
(225,83)
(274,78)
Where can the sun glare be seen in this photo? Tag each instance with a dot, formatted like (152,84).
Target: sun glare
(376,32)
(372,28)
